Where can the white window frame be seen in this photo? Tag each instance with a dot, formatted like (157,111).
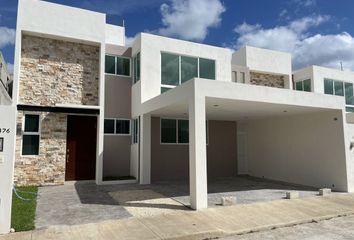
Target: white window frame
(122,134)
(31,133)
(114,127)
(115,66)
(302,84)
(180,67)
(134,68)
(334,91)
(176,119)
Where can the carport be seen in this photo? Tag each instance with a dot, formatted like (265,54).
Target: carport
(283,135)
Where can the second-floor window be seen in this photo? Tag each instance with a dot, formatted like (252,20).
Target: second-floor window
(304,85)
(117,65)
(340,88)
(176,69)
(136,68)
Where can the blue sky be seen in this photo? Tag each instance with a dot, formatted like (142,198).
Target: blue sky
(315,31)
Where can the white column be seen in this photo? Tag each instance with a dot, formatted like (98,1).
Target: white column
(7,159)
(145,149)
(197,154)
(100,119)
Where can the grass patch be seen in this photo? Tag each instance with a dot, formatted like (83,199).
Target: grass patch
(113,178)
(23,212)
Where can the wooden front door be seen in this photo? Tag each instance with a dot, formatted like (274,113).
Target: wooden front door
(81,148)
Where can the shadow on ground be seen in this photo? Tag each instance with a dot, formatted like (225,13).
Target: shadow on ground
(88,203)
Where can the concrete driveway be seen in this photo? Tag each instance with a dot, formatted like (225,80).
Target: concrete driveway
(82,203)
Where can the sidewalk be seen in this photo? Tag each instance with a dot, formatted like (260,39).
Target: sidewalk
(212,222)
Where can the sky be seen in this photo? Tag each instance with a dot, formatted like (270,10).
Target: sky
(315,32)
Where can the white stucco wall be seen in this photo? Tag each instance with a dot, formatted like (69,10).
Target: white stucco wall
(54,19)
(61,22)
(7,121)
(263,60)
(349,130)
(151,48)
(320,73)
(307,149)
(115,35)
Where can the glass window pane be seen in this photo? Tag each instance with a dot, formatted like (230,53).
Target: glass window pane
(168,131)
(31,123)
(234,76)
(206,68)
(134,66)
(349,93)
(183,133)
(349,109)
(307,85)
(338,88)
(165,89)
(110,64)
(169,69)
(123,66)
(299,86)
(138,66)
(109,126)
(243,77)
(328,86)
(30,145)
(122,126)
(136,127)
(189,68)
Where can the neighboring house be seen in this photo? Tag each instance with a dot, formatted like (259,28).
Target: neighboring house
(90,108)
(5,83)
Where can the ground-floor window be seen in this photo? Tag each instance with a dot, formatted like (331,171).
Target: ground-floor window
(31,135)
(135,130)
(116,126)
(176,131)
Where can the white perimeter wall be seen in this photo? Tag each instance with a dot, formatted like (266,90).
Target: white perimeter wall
(307,149)
(7,121)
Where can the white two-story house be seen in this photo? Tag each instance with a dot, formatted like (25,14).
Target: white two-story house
(91,108)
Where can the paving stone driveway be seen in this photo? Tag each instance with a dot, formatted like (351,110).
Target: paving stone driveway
(81,203)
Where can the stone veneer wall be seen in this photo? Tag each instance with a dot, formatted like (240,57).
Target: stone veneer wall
(54,71)
(48,168)
(268,80)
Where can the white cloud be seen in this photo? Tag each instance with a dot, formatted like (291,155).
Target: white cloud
(306,3)
(7,36)
(129,40)
(10,68)
(283,13)
(303,24)
(307,49)
(190,19)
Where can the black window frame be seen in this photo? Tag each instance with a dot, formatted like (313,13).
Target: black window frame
(27,135)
